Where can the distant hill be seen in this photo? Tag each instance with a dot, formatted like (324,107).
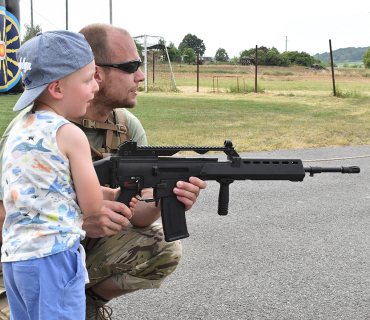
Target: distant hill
(340,55)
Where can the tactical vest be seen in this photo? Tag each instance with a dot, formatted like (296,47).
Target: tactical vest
(116,132)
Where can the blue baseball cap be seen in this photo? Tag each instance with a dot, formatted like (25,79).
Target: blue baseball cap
(48,57)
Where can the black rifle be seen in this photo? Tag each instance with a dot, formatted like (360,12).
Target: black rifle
(134,168)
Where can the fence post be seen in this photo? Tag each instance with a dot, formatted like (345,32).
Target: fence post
(153,65)
(198,72)
(332,67)
(255,75)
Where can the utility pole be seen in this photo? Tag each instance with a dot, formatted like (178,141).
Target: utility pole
(110,11)
(286,43)
(32,19)
(66,14)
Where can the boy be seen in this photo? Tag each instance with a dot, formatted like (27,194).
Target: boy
(43,263)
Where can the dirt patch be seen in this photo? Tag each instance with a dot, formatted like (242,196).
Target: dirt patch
(190,90)
(274,73)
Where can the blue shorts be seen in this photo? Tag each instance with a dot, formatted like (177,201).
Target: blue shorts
(52,287)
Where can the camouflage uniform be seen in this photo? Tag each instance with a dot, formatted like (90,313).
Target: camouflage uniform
(135,258)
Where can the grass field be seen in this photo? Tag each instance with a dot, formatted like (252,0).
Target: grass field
(296,110)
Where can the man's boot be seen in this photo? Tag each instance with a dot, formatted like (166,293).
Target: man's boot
(4,307)
(97,310)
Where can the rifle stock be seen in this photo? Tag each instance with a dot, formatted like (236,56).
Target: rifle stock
(135,168)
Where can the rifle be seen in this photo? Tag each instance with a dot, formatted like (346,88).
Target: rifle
(134,168)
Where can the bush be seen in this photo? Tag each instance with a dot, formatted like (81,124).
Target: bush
(248,89)
(274,58)
(366,59)
(348,94)
(300,58)
(277,73)
(261,58)
(189,56)
(328,65)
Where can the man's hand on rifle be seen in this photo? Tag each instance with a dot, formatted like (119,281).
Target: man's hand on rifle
(188,193)
(107,222)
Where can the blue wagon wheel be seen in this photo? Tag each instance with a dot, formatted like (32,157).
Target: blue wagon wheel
(9,45)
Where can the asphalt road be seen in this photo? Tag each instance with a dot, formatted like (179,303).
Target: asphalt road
(285,250)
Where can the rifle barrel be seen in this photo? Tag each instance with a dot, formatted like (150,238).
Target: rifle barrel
(313,170)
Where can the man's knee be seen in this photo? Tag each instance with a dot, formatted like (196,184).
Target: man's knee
(135,258)
(151,273)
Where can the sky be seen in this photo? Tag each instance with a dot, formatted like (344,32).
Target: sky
(234,26)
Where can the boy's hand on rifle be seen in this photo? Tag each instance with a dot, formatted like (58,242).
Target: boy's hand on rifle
(188,193)
(110,194)
(133,203)
(107,221)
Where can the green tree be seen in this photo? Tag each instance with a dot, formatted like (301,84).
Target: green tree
(183,46)
(366,59)
(261,57)
(235,59)
(284,60)
(193,42)
(189,55)
(162,51)
(140,50)
(174,54)
(246,53)
(221,55)
(27,35)
(300,58)
(272,57)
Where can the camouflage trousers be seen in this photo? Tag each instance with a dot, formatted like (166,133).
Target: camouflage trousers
(135,258)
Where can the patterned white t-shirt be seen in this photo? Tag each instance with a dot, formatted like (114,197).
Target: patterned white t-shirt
(42,215)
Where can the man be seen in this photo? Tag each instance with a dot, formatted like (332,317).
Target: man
(121,258)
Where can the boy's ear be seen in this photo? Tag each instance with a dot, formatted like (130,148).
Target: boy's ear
(55,89)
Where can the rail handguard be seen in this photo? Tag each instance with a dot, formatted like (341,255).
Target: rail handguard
(134,168)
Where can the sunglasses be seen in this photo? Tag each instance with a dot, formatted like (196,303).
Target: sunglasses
(129,67)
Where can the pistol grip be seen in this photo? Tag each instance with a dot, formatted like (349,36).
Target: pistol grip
(173,219)
(125,196)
